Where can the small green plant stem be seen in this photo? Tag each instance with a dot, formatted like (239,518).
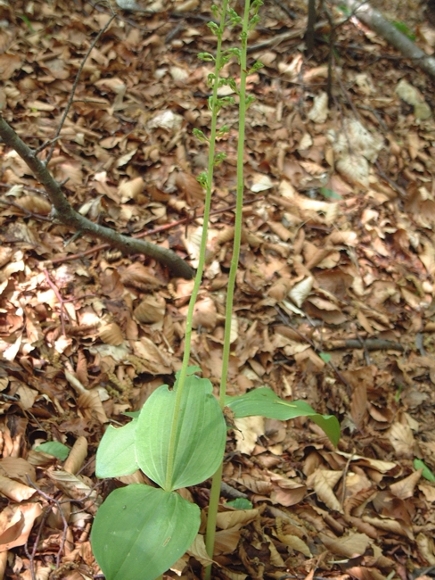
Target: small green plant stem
(239,206)
(203,249)
(217,478)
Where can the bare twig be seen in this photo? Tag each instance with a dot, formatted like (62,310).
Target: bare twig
(31,555)
(57,503)
(64,213)
(63,310)
(25,211)
(158,230)
(74,87)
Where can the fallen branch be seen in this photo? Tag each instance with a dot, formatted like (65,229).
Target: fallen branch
(374,20)
(64,213)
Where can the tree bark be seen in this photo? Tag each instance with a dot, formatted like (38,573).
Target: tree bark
(64,213)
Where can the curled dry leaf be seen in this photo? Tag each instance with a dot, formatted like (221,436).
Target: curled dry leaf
(199,552)
(5,255)
(150,358)
(76,456)
(355,168)
(35,204)
(261,182)
(280,230)
(229,519)
(15,490)
(111,334)
(350,546)
(225,235)
(319,110)
(139,276)
(323,481)
(131,189)
(402,439)
(17,468)
(90,404)
(169,329)
(205,314)
(280,289)
(426,548)
(405,488)
(151,309)
(248,429)
(227,540)
(16,523)
(413,97)
(301,290)
(187,6)
(389,525)
(253,240)
(76,488)
(294,543)
(189,186)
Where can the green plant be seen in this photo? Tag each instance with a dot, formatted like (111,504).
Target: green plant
(178,438)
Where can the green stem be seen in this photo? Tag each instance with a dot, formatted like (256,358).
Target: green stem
(217,478)
(173,442)
(239,206)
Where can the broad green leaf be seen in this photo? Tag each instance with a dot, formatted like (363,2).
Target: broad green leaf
(132,414)
(200,438)
(116,453)
(329,193)
(240,503)
(54,448)
(263,401)
(140,531)
(426,473)
(325,356)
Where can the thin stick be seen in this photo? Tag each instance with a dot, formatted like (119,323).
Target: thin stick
(63,212)
(74,87)
(63,310)
(153,232)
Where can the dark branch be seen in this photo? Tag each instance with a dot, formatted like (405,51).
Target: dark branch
(64,213)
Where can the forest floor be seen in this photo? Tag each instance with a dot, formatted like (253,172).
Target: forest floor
(335,294)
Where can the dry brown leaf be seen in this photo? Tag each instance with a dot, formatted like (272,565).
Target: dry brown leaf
(205,314)
(16,523)
(229,519)
(350,546)
(295,543)
(76,456)
(131,189)
(14,490)
(389,525)
(91,405)
(402,439)
(247,431)
(323,481)
(151,310)
(9,63)
(139,276)
(111,334)
(17,468)
(227,540)
(35,204)
(426,548)
(405,488)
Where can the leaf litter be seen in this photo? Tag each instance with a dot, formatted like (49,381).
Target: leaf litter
(334,301)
